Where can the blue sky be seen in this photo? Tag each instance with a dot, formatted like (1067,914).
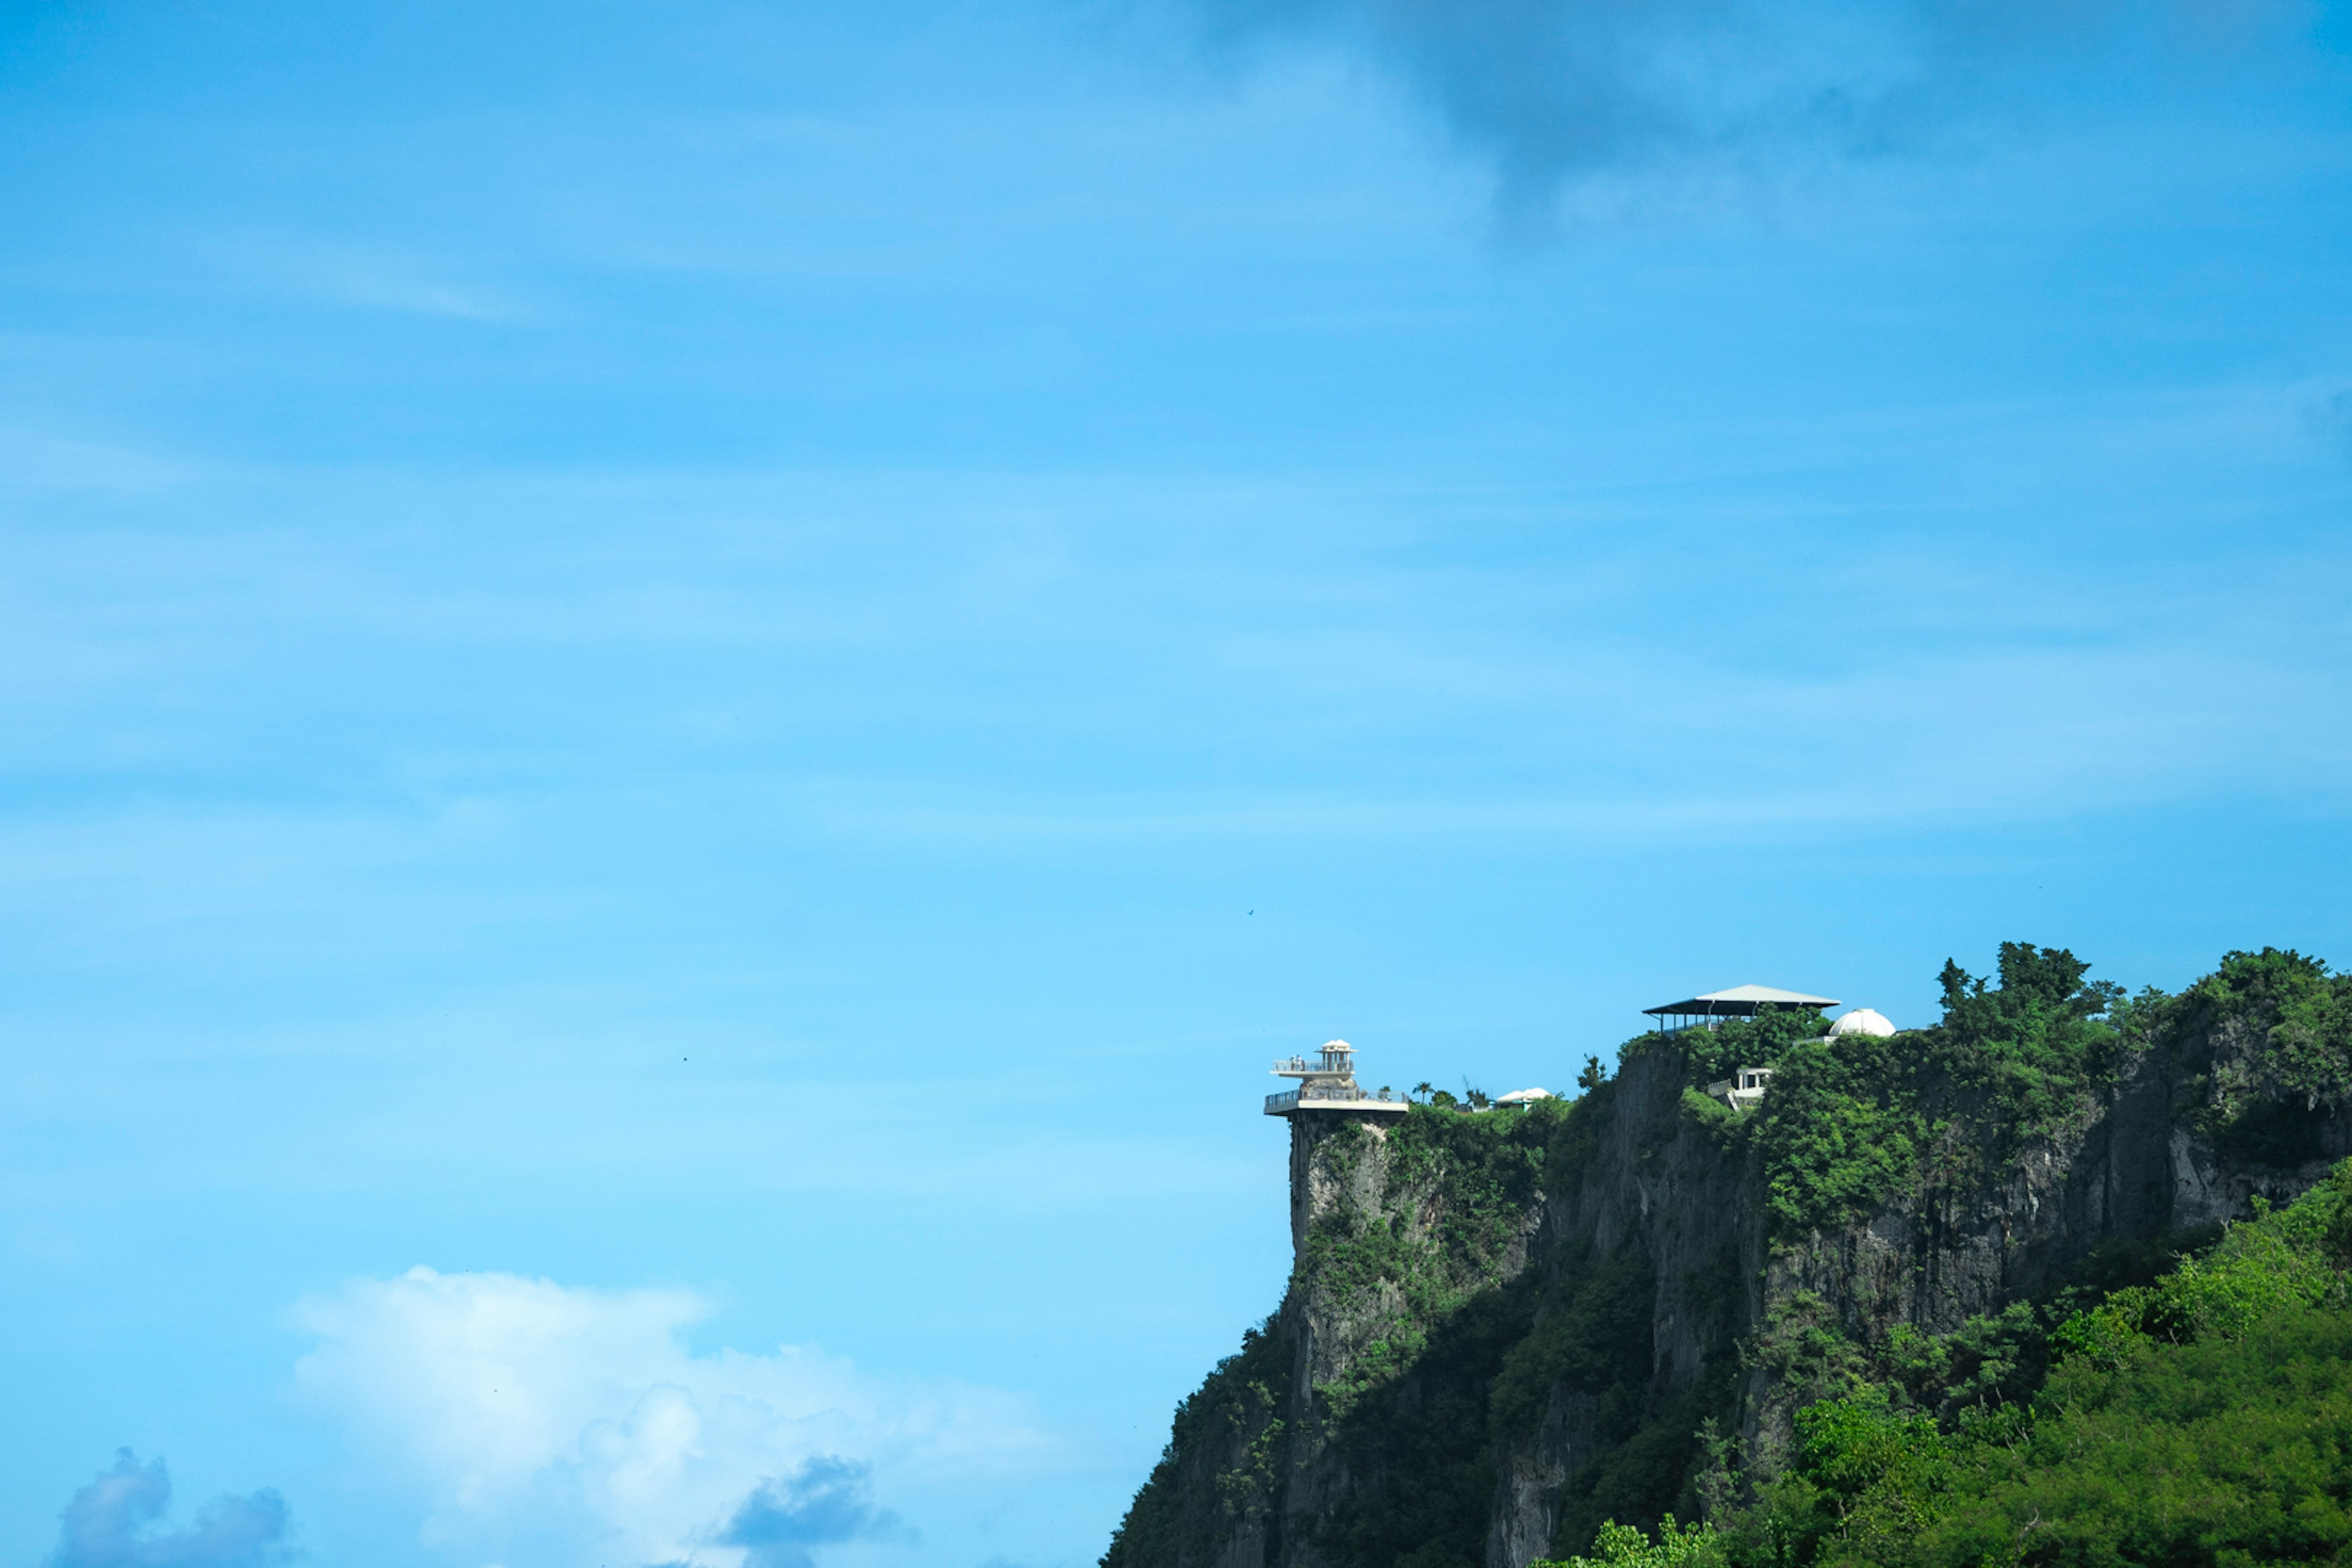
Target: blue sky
(688,692)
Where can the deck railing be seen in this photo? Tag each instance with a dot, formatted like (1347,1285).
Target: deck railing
(1322,1061)
(1327,1094)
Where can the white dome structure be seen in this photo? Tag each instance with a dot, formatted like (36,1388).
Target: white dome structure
(1863,1021)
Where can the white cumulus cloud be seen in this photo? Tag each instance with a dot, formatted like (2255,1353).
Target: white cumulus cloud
(544,1422)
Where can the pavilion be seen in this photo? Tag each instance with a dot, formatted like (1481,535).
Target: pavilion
(1740,1002)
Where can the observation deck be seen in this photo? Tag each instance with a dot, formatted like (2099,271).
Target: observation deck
(1326,1081)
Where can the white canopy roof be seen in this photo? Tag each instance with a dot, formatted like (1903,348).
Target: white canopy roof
(1738,1002)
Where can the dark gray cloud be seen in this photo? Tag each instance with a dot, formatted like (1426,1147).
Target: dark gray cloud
(112,1523)
(826,1501)
(1552,92)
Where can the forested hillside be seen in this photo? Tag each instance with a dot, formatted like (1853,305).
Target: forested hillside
(2203,1419)
(1957,1282)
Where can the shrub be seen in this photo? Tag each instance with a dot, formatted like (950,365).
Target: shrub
(1627,1546)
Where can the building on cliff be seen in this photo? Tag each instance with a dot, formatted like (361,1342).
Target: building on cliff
(1738,1002)
(1744,1088)
(1501,1330)
(1326,1081)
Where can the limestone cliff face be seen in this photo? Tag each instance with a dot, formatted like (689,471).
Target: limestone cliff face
(1254,1468)
(1657,1187)
(1381,1251)
(1502,1327)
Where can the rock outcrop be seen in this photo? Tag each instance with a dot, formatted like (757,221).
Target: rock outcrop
(1503,1326)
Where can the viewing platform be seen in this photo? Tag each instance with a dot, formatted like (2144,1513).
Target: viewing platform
(1332,1097)
(1740,1002)
(1326,1081)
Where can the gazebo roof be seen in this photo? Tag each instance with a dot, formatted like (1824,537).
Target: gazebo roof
(1738,1002)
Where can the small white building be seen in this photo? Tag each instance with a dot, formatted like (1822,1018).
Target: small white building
(1326,1081)
(1742,1089)
(1746,1087)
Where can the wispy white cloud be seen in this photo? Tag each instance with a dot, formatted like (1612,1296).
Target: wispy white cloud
(524,1408)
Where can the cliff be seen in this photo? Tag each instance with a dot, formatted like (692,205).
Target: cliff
(1503,1327)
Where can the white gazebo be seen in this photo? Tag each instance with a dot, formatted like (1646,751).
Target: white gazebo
(1326,1081)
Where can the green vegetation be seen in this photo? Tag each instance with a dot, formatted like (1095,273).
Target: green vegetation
(2267,1040)
(2204,1418)
(1592,1342)
(1841,1131)
(1478,1172)
(1220,1466)
(1486,1167)
(1852,1119)
(2177,1400)
(1471,1368)
(1414,1405)
(1424,1434)
(1598,1326)
(1484,1380)
(1626,1546)
(1709,1055)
